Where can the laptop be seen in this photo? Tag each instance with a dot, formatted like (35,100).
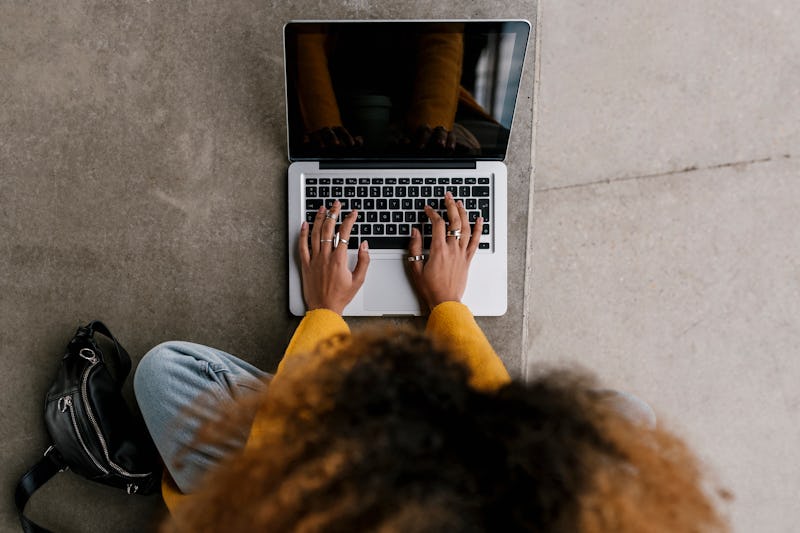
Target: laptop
(387,116)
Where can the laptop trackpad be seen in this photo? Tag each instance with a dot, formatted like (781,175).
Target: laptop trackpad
(387,288)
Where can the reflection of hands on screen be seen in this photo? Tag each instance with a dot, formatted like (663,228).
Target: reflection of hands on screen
(335,138)
(439,140)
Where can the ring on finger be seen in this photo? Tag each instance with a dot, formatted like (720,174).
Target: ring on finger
(326,240)
(454,233)
(415,258)
(330,216)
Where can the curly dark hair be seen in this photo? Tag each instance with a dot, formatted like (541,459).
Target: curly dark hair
(382,432)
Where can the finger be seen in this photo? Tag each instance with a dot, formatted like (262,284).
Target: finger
(360,271)
(465,230)
(302,245)
(438,229)
(452,215)
(475,240)
(328,227)
(344,233)
(423,135)
(451,142)
(415,248)
(316,231)
(345,137)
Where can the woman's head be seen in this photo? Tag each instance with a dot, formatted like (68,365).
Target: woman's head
(382,432)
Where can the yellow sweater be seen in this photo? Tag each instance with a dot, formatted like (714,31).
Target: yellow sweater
(450,323)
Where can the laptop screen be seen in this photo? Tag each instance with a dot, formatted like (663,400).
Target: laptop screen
(401,90)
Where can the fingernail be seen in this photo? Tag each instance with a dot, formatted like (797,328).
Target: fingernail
(303,225)
(321,209)
(365,245)
(448,194)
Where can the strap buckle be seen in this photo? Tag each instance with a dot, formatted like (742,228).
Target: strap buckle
(57,459)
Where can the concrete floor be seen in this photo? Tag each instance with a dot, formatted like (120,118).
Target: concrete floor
(142,181)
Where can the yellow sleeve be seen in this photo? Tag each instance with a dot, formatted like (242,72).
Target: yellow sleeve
(316,96)
(452,324)
(438,81)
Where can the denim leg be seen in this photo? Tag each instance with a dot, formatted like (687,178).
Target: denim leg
(176,378)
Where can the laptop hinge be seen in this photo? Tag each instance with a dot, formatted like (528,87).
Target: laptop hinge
(396,165)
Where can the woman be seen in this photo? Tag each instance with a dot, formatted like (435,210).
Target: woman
(404,431)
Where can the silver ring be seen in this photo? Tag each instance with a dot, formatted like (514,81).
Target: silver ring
(343,241)
(454,233)
(415,258)
(330,216)
(326,240)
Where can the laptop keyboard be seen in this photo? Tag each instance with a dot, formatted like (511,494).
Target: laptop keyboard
(389,207)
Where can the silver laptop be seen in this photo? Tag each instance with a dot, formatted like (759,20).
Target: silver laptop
(386,116)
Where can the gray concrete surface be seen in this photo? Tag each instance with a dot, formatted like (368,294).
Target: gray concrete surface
(663,237)
(142,181)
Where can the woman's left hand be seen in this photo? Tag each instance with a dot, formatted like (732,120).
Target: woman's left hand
(327,281)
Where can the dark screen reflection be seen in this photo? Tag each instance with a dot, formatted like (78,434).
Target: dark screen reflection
(402,90)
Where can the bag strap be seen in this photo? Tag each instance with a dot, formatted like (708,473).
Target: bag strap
(39,474)
(123,359)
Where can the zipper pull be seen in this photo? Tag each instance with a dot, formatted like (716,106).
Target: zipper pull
(64,402)
(89,355)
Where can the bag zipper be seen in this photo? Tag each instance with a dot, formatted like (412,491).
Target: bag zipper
(64,405)
(90,356)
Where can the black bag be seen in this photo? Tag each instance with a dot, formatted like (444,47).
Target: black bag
(93,432)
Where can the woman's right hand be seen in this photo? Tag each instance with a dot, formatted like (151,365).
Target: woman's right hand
(443,276)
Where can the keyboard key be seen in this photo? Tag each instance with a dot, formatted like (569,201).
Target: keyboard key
(384,216)
(484,245)
(471,203)
(480,191)
(463,190)
(483,205)
(360,216)
(388,243)
(419,204)
(349,192)
(374,191)
(390,181)
(391,229)
(426,242)
(394,203)
(404,229)
(324,192)
(430,181)
(404,181)
(409,216)
(473,216)
(378,229)
(363,181)
(353,231)
(426,191)
(470,181)
(345,203)
(422,218)
(372,216)
(413,191)
(388,192)
(427,229)
(417,181)
(337,192)
(485,229)
(366,229)
(381,204)
(400,191)
(377,181)
(483,181)
(443,181)
(362,191)
(452,189)
(355,203)
(407,204)
(433,202)
(369,203)
(324,181)
(397,216)
(438,191)
(350,181)
(311,181)
(338,181)
(314,203)
(310,216)
(311,192)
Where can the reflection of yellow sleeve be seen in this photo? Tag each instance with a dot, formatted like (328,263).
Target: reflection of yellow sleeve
(437,85)
(314,86)
(452,324)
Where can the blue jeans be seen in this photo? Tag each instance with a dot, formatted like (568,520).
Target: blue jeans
(172,383)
